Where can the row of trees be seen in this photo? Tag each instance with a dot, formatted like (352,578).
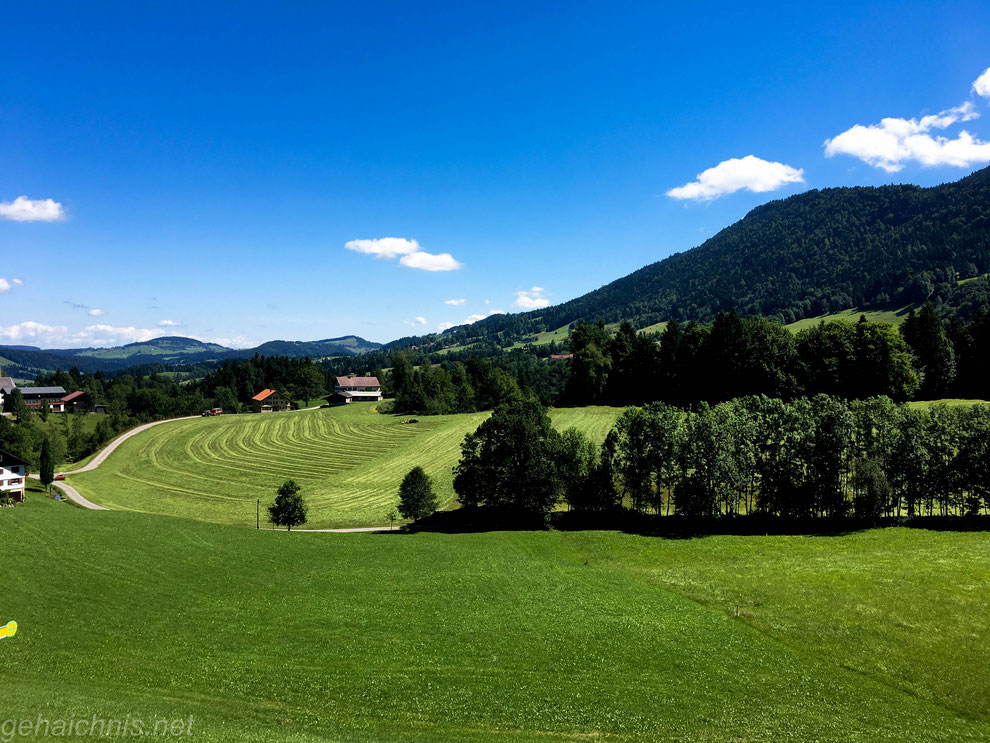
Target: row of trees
(738,356)
(811,457)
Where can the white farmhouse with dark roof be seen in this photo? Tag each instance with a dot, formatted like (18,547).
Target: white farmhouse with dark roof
(6,386)
(13,470)
(356,389)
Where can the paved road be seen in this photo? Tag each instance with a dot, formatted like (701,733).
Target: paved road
(109,449)
(73,495)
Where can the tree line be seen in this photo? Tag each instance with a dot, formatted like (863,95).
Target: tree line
(737,356)
(818,457)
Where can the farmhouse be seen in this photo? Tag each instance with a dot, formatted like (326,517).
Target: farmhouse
(6,386)
(13,470)
(270,401)
(360,389)
(35,397)
(76,402)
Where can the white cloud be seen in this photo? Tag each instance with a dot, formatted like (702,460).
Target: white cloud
(416,321)
(532,299)
(17,282)
(23,209)
(750,173)
(387,248)
(894,142)
(95,312)
(6,285)
(384,248)
(981,85)
(456,302)
(168,323)
(237,341)
(60,336)
(33,331)
(469,320)
(109,335)
(430,262)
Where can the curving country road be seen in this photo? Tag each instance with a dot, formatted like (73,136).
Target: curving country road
(73,495)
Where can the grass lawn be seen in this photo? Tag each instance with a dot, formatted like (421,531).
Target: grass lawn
(949,401)
(260,636)
(894,317)
(349,461)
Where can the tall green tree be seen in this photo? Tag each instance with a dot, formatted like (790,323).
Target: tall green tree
(416,497)
(288,509)
(927,338)
(510,460)
(46,468)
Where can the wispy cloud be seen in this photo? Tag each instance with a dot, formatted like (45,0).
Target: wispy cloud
(95,312)
(416,321)
(408,251)
(533,298)
(23,209)
(981,86)
(168,323)
(7,284)
(748,173)
(456,302)
(895,142)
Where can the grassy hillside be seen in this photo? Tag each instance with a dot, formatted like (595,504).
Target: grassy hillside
(349,461)
(894,317)
(262,636)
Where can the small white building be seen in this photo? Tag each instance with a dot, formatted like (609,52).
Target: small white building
(13,470)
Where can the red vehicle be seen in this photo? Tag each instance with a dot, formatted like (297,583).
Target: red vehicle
(60,476)
(212,411)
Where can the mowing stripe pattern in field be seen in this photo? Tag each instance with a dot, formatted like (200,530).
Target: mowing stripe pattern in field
(349,462)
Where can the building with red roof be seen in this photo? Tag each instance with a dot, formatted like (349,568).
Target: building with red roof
(270,401)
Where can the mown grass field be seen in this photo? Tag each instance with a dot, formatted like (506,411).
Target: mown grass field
(531,636)
(349,461)
(894,317)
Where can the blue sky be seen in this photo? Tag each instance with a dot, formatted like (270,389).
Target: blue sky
(209,164)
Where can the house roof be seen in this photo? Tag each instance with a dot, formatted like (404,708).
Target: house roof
(73,396)
(263,394)
(7,458)
(42,390)
(561,355)
(7,384)
(358,382)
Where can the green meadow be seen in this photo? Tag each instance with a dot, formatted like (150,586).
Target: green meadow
(528,636)
(349,461)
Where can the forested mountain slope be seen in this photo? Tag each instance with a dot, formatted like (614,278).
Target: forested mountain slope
(810,254)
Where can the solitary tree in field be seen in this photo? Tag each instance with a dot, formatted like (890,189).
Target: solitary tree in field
(416,497)
(46,470)
(44,411)
(288,510)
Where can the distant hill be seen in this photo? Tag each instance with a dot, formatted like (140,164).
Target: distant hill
(168,350)
(812,254)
